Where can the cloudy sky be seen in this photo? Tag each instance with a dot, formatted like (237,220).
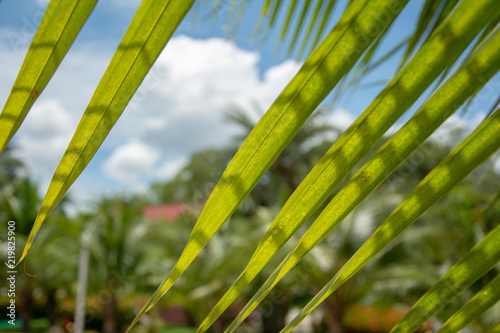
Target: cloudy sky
(179,107)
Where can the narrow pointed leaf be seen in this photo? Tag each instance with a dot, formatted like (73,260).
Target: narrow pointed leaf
(369,54)
(428,11)
(434,112)
(469,269)
(237,20)
(291,10)
(332,59)
(491,26)
(272,17)
(401,93)
(326,17)
(230,20)
(494,106)
(314,21)
(145,38)
(477,305)
(277,6)
(473,151)
(299,26)
(265,8)
(448,7)
(59,27)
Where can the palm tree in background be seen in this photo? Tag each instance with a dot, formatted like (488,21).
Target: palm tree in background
(116,252)
(55,268)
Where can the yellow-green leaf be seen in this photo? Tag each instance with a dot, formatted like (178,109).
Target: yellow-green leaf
(291,10)
(470,268)
(147,35)
(299,26)
(473,151)
(433,57)
(482,301)
(313,23)
(59,27)
(325,67)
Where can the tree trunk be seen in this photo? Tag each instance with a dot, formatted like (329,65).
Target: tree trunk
(274,318)
(336,313)
(109,318)
(26,304)
(288,174)
(335,307)
(51,306)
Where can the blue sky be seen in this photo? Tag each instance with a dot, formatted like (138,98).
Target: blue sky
(179,107)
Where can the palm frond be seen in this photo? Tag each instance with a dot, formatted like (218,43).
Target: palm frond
(447,30)
(335,56)
(58,29)
(146,37)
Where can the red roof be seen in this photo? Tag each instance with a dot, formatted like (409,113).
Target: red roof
(171,211)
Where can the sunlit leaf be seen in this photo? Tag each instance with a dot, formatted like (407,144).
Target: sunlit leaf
(473,151)
(305,9)
(482,301)
(59,27)
(429,9)
(475,264)
(147,35)
(360,138)
(317,77)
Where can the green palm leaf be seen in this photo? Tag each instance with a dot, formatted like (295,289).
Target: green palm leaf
(326,16)
(317,77)
(470,268)
(305,9)
(311,26)
(433,113)
(59,27)
(482,301)
(429,9)
(291,10)
(474,150)
(147,35)
(446,29)
(362,135)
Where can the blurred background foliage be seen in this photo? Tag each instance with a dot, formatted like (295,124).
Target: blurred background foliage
(132,248)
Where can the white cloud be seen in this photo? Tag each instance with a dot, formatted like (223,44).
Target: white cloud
(130,161)
(44,136)
(340,119)
(203,77)
(455,128)
(177,110)
(179,107)
(171,167)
